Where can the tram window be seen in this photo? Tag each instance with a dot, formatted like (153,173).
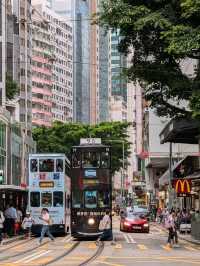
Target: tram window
(35,199)
(47,165)
(77,199)
(34,165)
(105,160)
(58,199)
(59,165)
(104,199)
(46,199)
(91,160)
(91,199)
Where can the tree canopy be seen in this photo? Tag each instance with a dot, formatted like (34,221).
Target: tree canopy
(61,137)
(164,36)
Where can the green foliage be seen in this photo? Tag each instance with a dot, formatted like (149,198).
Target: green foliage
(61,137)
(12,88)
(163,33)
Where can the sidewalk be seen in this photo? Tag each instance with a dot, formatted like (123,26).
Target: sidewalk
(186,237)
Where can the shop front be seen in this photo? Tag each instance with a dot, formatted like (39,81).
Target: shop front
(18,196)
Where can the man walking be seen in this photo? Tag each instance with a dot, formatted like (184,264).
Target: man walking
(171,225)
(46,221)
(10,218)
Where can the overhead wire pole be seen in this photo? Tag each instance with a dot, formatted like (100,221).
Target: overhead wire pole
(123,165)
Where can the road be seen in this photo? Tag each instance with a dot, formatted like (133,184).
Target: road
(130,249)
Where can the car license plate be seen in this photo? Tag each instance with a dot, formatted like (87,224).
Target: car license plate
(136,227)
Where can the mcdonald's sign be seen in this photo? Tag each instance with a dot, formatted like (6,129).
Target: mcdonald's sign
(182,186)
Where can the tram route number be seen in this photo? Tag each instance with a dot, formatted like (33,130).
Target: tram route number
(90,213)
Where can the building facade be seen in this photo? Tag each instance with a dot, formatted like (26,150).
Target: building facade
(15,112)
(53,35)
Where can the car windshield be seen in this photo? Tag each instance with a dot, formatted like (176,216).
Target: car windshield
(135,216)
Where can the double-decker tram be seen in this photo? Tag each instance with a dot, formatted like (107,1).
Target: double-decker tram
(91,187)
(49,187)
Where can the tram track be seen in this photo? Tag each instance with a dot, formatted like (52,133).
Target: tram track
(16,245)
(64,254)
(23,252)
(94,256)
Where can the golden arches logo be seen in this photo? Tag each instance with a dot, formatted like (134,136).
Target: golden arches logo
(184,186)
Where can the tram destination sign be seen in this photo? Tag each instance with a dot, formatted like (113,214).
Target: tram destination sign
(46,184)
(90,141)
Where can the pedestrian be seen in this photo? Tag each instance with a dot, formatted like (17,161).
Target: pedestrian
(10,218)
(105,226)
(46,222)
(18,221)
(2,219)
(27,224)
(170,224)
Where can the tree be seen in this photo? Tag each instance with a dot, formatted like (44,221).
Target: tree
(61,137)
(163,34)
(11,88)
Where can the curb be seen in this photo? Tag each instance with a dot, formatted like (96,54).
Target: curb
(11,240)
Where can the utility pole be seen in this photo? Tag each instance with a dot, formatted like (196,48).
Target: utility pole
(170,176)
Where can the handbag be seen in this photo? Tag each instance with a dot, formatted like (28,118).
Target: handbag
(101,225)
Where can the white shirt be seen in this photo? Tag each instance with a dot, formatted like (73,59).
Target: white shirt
(11,213)
(46,218)
(27,222)
(107,222)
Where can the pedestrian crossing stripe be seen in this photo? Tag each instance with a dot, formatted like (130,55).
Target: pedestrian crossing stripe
(166,247)
(129,239)
(142,247)
(68,245)
(190,248)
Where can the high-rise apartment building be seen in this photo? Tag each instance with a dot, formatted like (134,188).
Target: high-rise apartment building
(42,72)
(117,62)
(90,63)
(15,114)
(52,66)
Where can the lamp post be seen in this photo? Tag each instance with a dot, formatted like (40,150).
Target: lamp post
(123,165)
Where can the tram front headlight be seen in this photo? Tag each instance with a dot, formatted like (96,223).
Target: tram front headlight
(91,221)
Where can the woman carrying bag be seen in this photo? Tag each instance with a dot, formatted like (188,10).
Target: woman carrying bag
(105,226)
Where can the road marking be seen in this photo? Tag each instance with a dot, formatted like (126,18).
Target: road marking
(38,256)
(142,247)
(190,248)
(67,239)
(118,246)
(92,246)
(166,247)
(108,263)
(43,260)
(129,239)
(68,245)
(29,256)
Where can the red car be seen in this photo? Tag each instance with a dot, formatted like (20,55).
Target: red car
(134,223)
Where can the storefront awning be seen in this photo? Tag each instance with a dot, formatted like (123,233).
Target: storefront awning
(181,130)
(164,179)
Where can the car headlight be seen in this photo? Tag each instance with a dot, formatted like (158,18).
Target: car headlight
(91,221)
(127,224)
(146,225)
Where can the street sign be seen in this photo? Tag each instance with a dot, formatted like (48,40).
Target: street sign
(90,141)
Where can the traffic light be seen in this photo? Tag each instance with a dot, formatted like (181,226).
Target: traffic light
(1,177)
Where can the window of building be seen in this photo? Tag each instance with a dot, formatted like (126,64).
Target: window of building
(35,199)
